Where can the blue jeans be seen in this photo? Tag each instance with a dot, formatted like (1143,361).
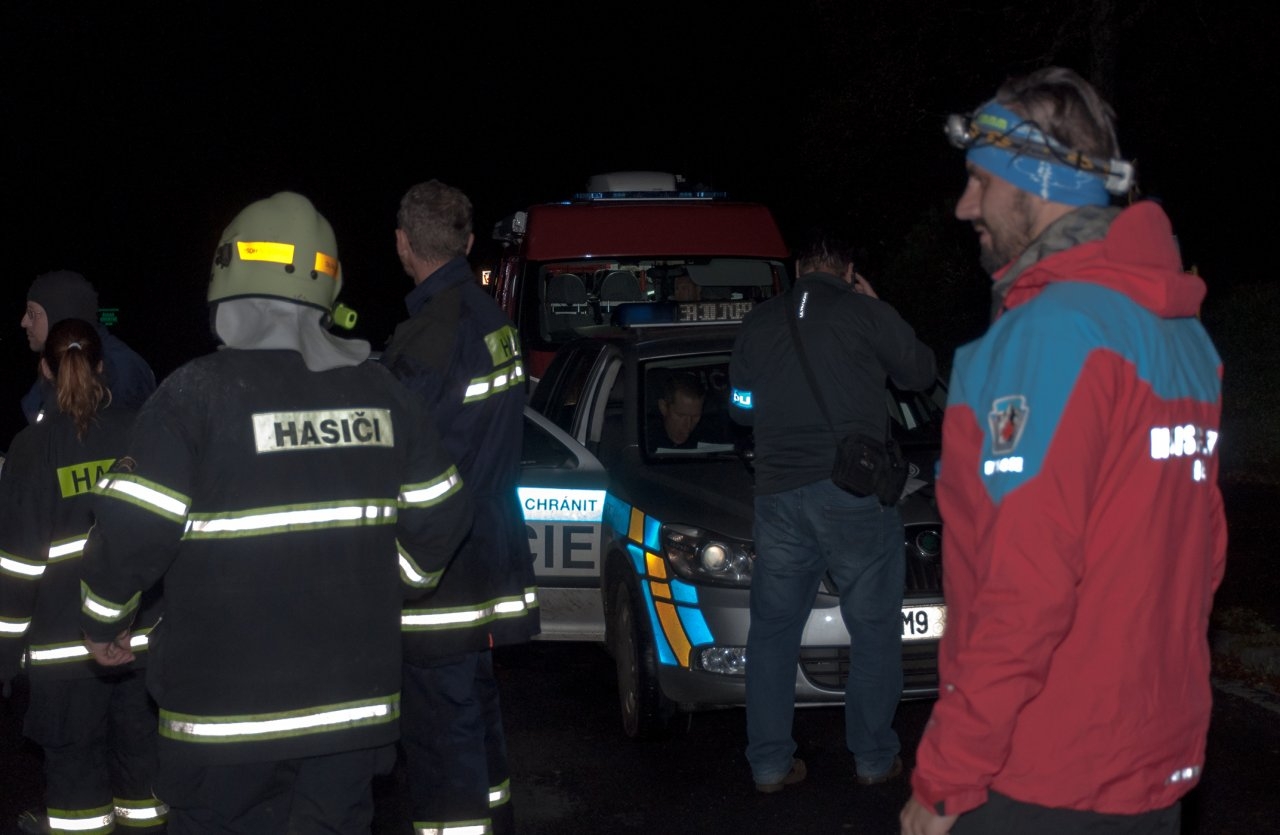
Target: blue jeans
(799,535)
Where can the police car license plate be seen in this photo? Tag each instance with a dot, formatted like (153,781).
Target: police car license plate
(923,623)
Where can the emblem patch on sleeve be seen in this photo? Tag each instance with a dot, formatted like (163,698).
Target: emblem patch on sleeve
(1008,417)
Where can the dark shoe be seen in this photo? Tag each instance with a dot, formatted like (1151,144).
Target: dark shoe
(33,822)
(795,775)
(877,779)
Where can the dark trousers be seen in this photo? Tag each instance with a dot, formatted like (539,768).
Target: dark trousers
(1002,815)
(99,741)
(455,749)
(308,796)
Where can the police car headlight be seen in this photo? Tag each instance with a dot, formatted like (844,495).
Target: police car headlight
(704,556)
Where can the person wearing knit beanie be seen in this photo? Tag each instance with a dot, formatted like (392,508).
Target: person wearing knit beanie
(64,294)
(54,296)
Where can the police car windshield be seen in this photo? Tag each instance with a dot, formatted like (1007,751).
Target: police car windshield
(576,295)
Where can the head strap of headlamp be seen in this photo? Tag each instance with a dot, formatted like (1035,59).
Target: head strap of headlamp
(993,125)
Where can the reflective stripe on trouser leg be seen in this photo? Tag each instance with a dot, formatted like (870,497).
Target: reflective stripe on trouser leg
(141,815)
(447,705)
(452,828)
(100,819)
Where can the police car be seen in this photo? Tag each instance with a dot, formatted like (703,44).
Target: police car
(646,544)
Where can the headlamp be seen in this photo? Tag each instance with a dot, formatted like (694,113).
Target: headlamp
(994,126)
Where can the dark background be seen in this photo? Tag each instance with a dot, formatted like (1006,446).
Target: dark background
(133,133)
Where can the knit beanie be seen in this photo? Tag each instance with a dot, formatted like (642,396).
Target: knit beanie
(65,295)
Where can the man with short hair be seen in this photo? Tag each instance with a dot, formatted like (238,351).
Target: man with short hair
(1084,533)
(805,526)
(63,294)
(460,353)
(680,406)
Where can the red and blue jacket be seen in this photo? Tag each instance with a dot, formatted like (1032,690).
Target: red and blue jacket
(1084,536)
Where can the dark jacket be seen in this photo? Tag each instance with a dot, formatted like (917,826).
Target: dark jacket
(46,511)
(127,374)
(460,353)
(853,342)
(290,513)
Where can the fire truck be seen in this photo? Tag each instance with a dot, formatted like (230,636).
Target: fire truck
(631,236)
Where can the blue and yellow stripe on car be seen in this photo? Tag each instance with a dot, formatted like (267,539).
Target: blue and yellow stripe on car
(675,618)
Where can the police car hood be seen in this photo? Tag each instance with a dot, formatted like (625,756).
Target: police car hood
(712,494)
(718,495)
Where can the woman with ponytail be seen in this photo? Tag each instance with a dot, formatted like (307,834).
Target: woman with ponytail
(96,724)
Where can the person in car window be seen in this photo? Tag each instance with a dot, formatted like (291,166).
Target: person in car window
(680,407)
(1084,530)
(685,289)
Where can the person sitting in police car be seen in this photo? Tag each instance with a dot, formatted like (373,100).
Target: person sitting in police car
(680,406)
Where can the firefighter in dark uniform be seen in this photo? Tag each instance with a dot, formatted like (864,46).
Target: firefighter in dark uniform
(291,495)
(96,724)
(460,353)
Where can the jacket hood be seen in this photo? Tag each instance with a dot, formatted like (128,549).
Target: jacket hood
(1136,255)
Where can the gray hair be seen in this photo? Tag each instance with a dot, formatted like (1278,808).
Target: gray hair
(437,220)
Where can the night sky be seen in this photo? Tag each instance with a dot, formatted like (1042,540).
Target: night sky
(132,136)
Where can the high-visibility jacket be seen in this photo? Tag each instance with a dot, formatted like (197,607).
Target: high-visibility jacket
(460,353)
(46,512)
(289,513)
(45,516)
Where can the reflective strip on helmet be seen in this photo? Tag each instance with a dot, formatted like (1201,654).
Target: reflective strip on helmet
(67,548)
(100,819)
(326,264)
(19,566)
(429,493)
(141,813)
(272,251)
(14,626)
(145,494)
(320,719)
(257,521)
(413,575)
(281,253)
(77,651)
(104,610)
(476,827)
(425,620)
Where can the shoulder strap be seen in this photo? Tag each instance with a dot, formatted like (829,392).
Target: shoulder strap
(808,371)
(804,358)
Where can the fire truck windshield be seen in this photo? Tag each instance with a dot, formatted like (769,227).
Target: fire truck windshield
(577,294)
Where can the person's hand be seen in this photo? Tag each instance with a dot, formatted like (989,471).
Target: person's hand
(111,654)
(916,819)
(861,285)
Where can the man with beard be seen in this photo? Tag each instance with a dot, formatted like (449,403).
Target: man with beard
(1084,531)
